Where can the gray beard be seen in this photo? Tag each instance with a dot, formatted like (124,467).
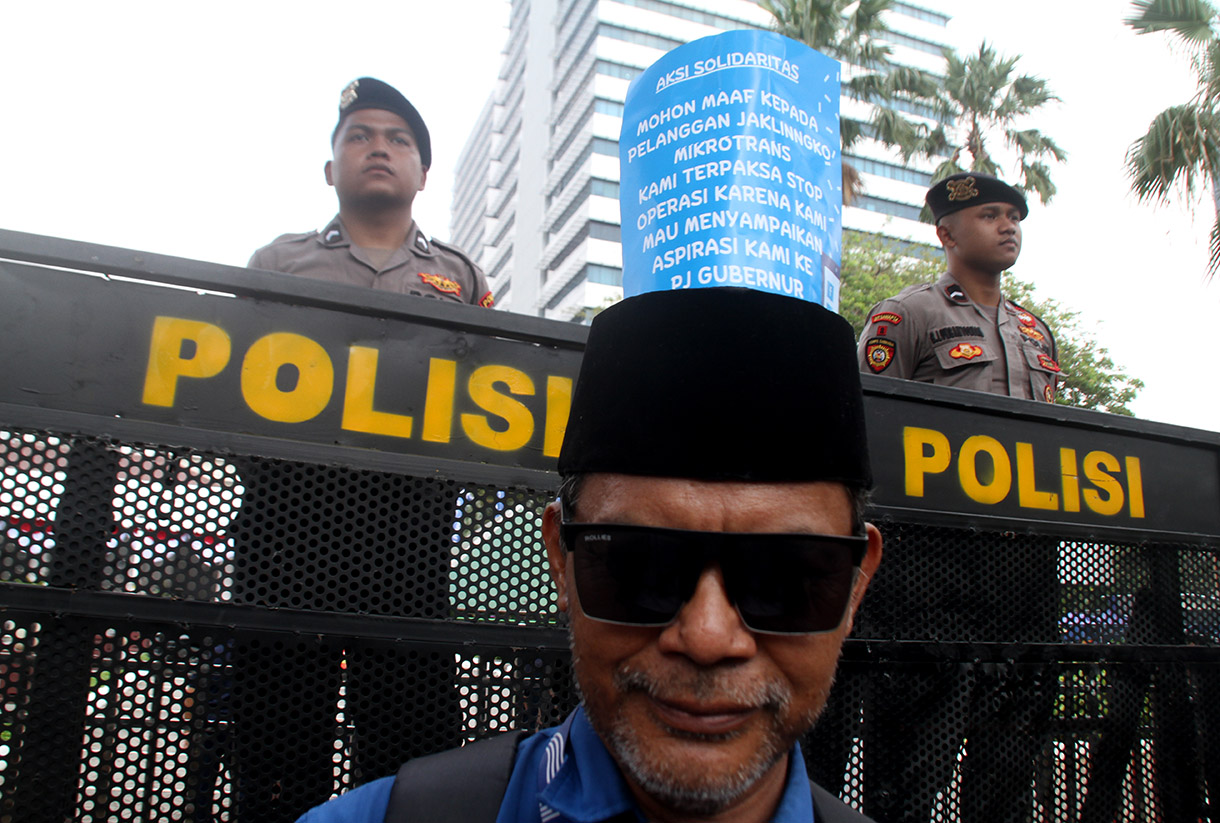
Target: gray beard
(701,797)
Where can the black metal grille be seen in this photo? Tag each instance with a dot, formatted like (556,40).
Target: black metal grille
(217,717)
(205,636)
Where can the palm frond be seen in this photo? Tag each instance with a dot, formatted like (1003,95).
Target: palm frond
(1180,148)
(1033,143)
(1191,20)
(1036,177)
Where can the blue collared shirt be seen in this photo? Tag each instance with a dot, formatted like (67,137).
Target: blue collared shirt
(588,787)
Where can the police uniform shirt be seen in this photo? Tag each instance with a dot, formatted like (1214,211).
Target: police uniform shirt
(935,333)
(419,266)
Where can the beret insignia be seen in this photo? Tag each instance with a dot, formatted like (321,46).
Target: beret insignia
(879,352)
(349,95)
(442,284)
(965,351)
(962,189)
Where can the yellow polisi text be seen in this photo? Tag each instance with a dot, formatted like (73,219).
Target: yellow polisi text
(1101,482)
(192,349)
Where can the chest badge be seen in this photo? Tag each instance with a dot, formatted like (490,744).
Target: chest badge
(965,351)
(879,353)
(1048,363)
(1026,319)
(1031,333)
(442,284)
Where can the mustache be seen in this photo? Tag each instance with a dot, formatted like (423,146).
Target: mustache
(706,684)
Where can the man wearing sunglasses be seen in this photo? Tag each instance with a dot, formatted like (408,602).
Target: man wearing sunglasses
(709,549)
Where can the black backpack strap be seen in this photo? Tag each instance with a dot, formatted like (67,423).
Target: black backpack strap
(829,809)
(455,786)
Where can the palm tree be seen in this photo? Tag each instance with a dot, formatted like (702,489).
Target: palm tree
(986,102)
(1181,149)
(850,31)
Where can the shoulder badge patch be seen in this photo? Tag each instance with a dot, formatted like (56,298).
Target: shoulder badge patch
(487,301)
(955,293)
(1048,363)
(965,351)
(442,284)
(962,189)
(879,352)
(887,317)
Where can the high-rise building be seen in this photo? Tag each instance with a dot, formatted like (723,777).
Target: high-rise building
(536,189)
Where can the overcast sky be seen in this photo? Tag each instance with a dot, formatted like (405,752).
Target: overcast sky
(201,131)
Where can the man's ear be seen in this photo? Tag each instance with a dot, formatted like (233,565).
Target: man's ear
(945,235)
(423,178)
(556,556)
(868,567)
(326,170)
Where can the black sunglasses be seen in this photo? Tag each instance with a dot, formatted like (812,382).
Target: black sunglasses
(779,583)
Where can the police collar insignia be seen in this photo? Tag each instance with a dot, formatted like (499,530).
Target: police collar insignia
(955,293)
(422,242)
(333,235)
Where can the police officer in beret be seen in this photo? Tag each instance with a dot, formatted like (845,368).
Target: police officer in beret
(987,722)
(961,331)
(382,152)
(710,569)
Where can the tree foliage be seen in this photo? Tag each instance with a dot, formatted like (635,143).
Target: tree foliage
(876,267)
(1180,152)
(850,31)
(987,103)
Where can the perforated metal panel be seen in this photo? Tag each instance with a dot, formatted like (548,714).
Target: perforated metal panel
(204,636)
(243,712)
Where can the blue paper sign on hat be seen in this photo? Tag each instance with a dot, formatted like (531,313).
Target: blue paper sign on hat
(730,169)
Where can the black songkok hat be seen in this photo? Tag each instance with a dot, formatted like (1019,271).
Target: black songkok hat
(371,93)
(719,384)
(965,189)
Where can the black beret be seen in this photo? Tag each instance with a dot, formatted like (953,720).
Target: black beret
(371,93)
(965,189)
(719,384)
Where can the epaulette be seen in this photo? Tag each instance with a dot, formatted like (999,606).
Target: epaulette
(454,250)
(294,237)
(911,291)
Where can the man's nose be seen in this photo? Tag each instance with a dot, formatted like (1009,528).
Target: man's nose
(708,629)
